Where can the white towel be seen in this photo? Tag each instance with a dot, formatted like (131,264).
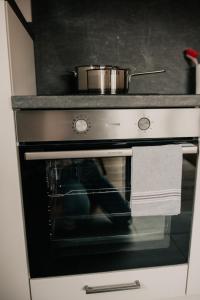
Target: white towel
(156,176)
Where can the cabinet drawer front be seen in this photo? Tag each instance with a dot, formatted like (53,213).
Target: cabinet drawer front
(154,283)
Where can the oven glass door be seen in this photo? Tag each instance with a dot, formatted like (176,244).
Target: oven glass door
(78,216)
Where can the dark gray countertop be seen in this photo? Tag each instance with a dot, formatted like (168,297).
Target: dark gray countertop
(104,101)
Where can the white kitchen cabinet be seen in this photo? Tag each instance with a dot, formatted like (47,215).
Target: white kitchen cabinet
(14,277)
(155,283)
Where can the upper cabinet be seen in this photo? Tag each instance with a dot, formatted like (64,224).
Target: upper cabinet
(25,7)
(21,55)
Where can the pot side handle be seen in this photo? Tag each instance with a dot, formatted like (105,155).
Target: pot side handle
(73,73)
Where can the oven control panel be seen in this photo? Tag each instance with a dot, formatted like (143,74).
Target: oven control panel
(107,124)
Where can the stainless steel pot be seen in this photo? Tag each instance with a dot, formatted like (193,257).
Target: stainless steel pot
(106,79)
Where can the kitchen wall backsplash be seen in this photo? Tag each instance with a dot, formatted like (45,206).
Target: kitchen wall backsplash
(144,35)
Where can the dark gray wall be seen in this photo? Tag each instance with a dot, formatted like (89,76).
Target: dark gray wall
(141,34)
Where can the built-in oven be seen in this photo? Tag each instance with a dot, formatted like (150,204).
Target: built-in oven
(76,183)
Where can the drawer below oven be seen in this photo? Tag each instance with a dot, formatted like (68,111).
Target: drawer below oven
(155,283)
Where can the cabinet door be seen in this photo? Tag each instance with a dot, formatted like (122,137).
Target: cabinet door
(21,55)
(155,283)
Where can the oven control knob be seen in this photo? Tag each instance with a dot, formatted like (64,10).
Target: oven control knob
(81,125)
(144,123)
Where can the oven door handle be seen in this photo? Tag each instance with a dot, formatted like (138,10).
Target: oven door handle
(187,149)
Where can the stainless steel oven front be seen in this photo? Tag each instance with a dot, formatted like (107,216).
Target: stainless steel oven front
(76,182)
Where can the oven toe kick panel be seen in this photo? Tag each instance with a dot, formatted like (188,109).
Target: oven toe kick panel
(66,125)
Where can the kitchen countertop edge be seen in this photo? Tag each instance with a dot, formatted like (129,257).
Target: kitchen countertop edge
(104,101)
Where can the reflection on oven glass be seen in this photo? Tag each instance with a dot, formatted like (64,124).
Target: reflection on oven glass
(84,190)
(89,205)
